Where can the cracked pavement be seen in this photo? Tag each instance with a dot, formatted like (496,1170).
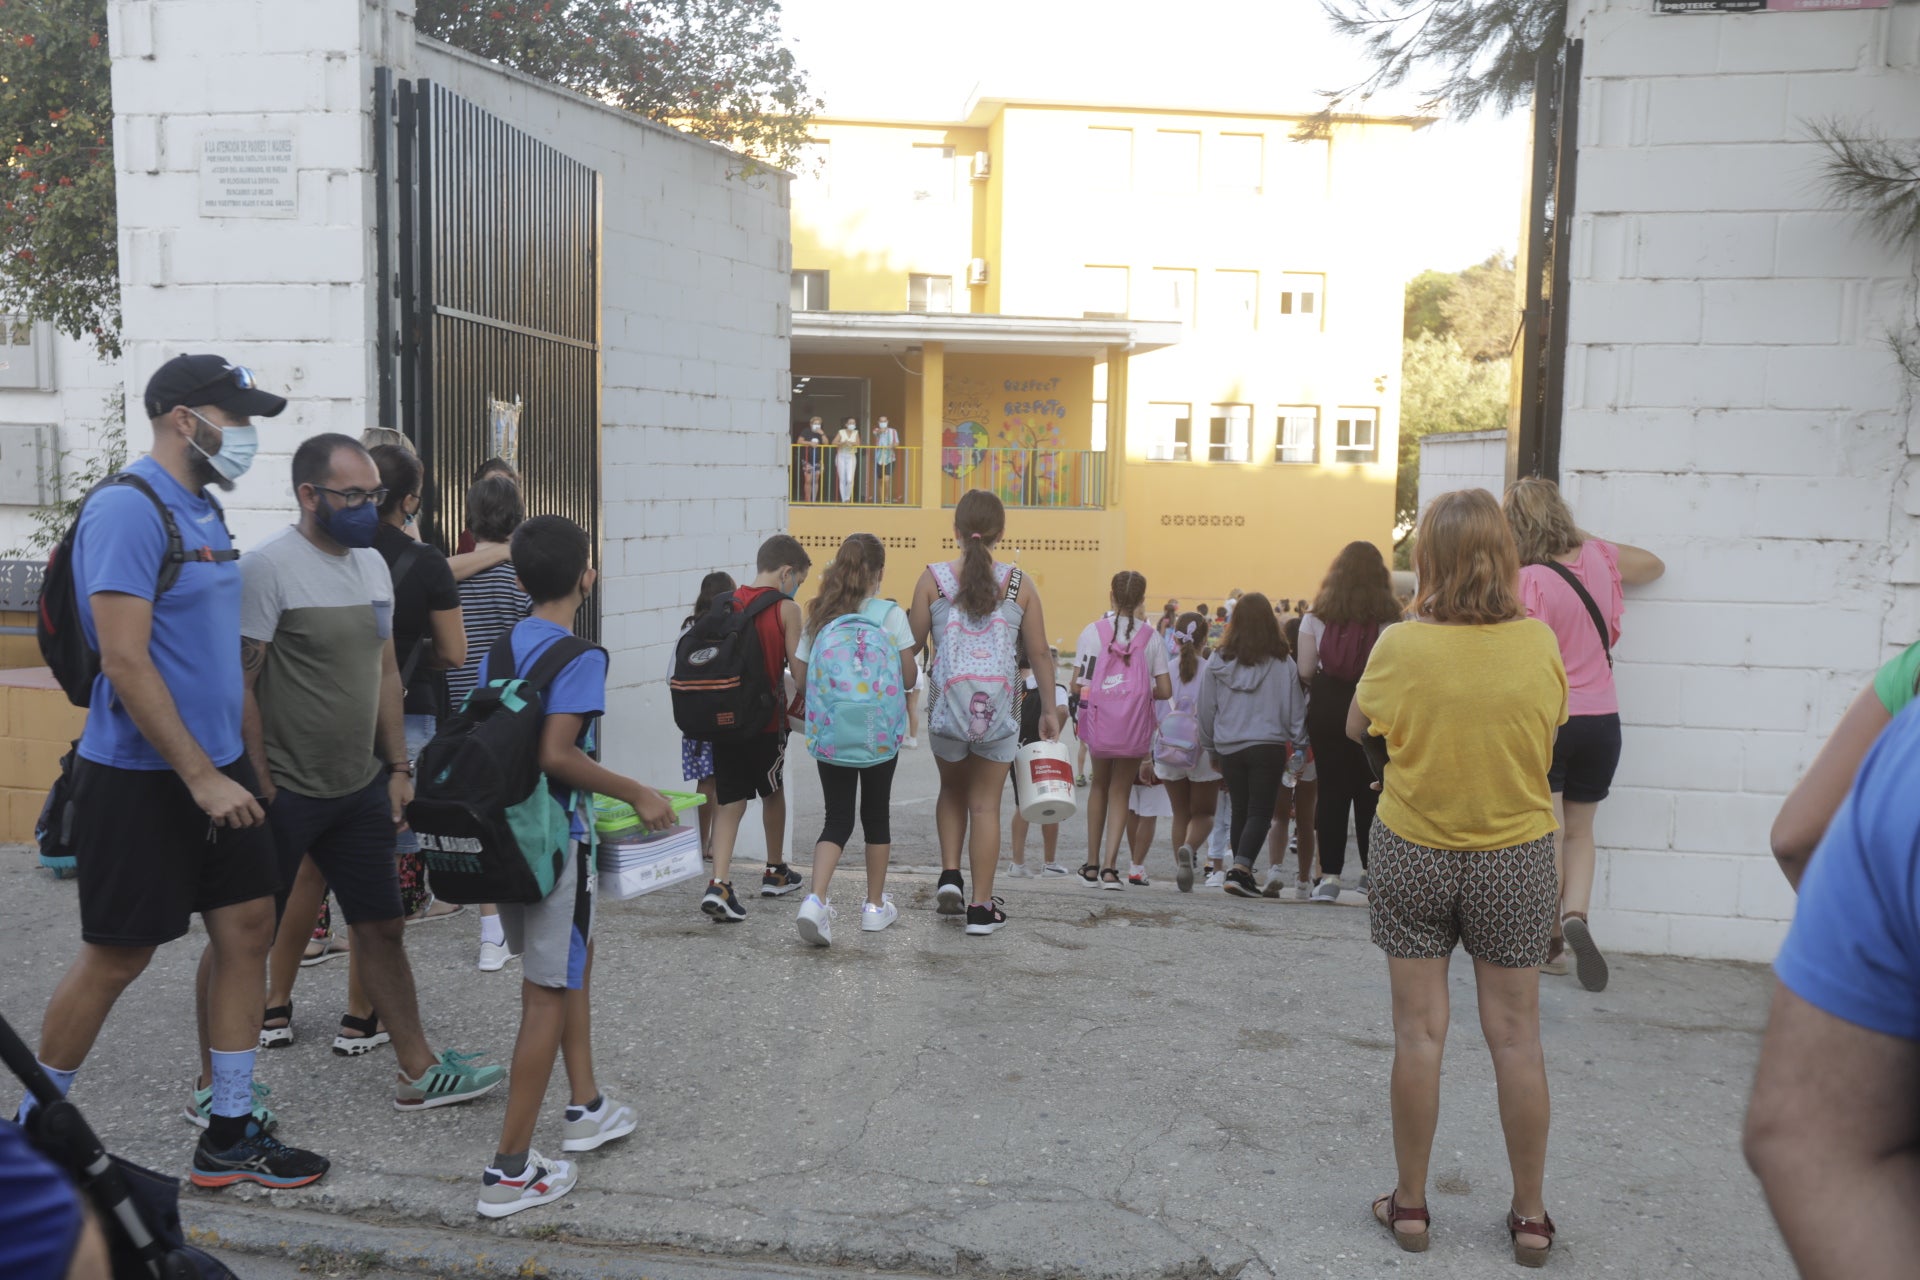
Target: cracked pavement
(1134,1084)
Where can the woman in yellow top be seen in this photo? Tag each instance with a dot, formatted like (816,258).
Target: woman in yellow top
(1467,697)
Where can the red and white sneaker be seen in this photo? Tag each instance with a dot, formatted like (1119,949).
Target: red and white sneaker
(541,1182)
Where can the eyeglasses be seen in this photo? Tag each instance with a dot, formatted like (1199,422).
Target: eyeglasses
(351,498)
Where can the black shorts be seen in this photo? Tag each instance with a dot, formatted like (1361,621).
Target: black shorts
(749,769)
(1029,716)
(149,858)
(1585,754)
(351,839)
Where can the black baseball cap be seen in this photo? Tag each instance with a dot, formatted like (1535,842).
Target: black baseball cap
(200,380)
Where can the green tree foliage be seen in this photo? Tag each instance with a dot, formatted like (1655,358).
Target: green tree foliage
(1484,52)
(58,255)
(1442,389)
(1425,293)
(1482,311)
(714,68)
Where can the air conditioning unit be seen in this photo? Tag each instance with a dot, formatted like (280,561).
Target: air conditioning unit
(977,271)
(982,166)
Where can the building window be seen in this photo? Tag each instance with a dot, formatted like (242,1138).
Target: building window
(1172,297)
(1235,162)
(1174,163)
(1230,433)
(929,293)
(1170,432)
(934,176)
(816,165)
(1105,292)
(1301,298)
(1099,426)
(809,291)
(1235,300)
(1109,159)
(1298,437)
(1358,436)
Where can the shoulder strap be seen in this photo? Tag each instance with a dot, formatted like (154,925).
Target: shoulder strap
(1572,579)
(760,603)
(942,576)
(1014,580)
(555,660)
(176,553)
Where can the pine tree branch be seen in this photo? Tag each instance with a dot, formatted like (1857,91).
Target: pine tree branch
(1873,177)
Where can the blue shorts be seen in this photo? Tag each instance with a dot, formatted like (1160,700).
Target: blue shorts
(350,838)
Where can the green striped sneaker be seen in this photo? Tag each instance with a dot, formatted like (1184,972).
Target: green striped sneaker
(451,1079)
(200,1113)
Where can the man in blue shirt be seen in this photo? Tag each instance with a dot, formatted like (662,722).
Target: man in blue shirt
(167,816)
(1834,1126)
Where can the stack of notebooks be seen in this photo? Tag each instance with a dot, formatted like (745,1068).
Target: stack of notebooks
(631,867)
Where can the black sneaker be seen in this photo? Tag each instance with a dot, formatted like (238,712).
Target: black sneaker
(258,1157)
(983,919)
(950,898)
(779,878)
(1240,883)
(720,903)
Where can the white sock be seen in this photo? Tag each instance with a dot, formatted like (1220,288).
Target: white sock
(491,930)
(1139,869)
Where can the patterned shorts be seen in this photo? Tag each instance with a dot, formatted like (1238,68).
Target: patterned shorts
(1498,903)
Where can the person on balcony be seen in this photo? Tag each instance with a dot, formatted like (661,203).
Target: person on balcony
(885,441)
(810,448)
(846,454)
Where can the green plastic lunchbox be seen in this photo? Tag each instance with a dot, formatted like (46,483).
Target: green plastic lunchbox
(616,820)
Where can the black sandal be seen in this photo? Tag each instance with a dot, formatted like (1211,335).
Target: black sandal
(277,1037)
(1090,872)
(372,1035)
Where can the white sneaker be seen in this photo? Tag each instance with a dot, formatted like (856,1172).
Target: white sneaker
(1215,880)
(494,956)
(816,921)
(911,744)
(1020,871)
(1302,891)
(1328,890)
(543,1182)
(587,1130)
(1053,869)
(873,919)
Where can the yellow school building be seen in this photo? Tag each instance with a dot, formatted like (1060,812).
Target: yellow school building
(1169,339)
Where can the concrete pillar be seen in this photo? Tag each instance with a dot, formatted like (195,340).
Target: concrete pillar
(933,412)
(280,281)
(1118,388)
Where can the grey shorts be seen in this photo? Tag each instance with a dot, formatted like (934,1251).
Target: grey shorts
(954,750)
(551,935)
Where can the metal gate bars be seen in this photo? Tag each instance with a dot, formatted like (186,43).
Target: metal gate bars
(488,306)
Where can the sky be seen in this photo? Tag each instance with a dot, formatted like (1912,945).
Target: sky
(895,57)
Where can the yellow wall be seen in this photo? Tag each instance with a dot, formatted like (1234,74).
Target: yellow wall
(1195,528)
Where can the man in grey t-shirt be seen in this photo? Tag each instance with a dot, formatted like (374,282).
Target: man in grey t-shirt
(324,727)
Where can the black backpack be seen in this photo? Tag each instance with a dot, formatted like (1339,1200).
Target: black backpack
(489,829)
(720,687)
(63,642)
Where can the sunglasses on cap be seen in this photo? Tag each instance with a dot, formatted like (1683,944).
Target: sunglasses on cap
(237,374)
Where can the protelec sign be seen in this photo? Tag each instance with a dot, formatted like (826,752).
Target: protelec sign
(1762,6)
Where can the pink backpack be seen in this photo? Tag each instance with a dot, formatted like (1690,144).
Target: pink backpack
(1116,711)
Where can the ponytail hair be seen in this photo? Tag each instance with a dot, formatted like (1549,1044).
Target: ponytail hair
(1129,593)
(854,575)
(712,587)
(978,521)
(1190,638)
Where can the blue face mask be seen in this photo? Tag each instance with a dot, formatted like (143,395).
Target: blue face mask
(348,526)
(237,447)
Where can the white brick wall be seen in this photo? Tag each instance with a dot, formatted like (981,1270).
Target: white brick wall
(694,405)
(1733,406)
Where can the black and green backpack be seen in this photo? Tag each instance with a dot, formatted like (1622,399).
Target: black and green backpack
(489,828)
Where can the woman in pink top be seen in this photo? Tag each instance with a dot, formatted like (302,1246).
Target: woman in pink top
(1554,555)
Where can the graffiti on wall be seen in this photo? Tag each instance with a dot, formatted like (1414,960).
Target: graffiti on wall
(1006,435)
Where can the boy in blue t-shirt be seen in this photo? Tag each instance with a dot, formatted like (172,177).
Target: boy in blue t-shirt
(554,936)
(1834,1126)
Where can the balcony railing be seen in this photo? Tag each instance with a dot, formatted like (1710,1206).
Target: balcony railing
(1053,479)
(865,475)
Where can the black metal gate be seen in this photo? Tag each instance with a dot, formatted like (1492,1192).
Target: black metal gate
(489,310)
(1546,264)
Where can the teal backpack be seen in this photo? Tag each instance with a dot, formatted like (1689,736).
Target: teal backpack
(856,709)
(489,828)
